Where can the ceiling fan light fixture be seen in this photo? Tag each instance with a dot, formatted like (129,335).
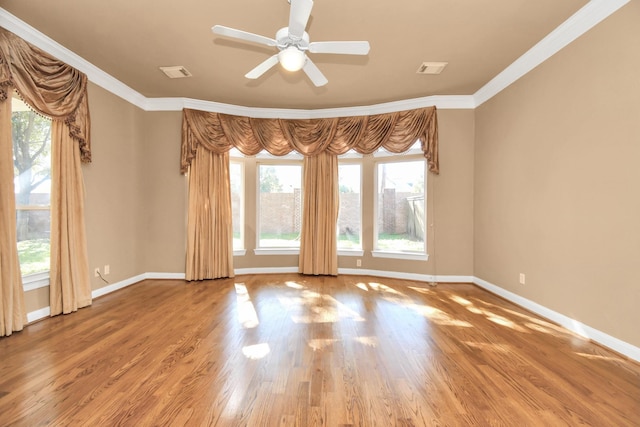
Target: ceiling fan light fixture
(292,58)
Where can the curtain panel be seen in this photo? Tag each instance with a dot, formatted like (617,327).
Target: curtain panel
(395,132)
(58,91)
(321,202)
(12,309)
(209,227)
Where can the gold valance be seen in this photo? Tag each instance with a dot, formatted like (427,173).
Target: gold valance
(395,132)
(48,85)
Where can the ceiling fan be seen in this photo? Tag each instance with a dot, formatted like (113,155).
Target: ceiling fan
(293,44)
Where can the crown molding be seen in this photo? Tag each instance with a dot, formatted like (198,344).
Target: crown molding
(95,74)
(579,23)
(587,17)
(456,102)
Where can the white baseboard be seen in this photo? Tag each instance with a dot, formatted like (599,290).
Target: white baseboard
(177,276)
(32,316)
(118,285)
(265,270)
(407,276)
(566,322)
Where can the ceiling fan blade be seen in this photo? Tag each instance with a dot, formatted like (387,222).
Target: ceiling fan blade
(242,35)
(314,73)
(346,48)
(299,16)
(263,67)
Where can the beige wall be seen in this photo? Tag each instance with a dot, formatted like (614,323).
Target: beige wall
(557,176)
(112,183)
(163,196)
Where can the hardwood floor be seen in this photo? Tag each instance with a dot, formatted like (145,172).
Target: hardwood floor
(269,350)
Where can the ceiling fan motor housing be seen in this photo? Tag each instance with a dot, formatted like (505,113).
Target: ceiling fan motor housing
(285,40)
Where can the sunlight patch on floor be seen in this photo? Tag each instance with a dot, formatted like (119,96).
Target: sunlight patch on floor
(421,290)
(438,316)
(368,341)
(294,285)
(313,307)
(598,357)
(320,343)
(256,351)
(485,346)
(497,319)
(362,286)
(246,311)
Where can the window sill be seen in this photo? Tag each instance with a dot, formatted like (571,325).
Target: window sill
(239,252)
(350,252)
(277,251)
(35,281)
(401,255)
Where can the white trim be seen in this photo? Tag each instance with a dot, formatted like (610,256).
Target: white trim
(95,74)
(277,251)
(566,322)
(579,23)
(118,285)
(265,270)
(582,21)
(35,281)
(400,255)
(173,276)
(350,252)
(32,316)
(239,252)
(406,276)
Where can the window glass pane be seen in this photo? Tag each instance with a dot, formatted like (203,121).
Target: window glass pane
(236,176)
(349,218)
(401,206)
(32,171)
(279,205)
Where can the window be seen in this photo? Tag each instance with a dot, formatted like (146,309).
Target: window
(350,214)
(236,175)
(400,206)
(32,171)
(279,204)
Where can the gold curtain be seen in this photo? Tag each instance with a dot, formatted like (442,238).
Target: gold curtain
(318,240)
(59,91)
(395,132)
(12,310)
(69,283)
(209,226)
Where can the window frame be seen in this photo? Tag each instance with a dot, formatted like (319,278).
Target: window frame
(353,158)
(383,156)
(235,157)
(264,158)
(41,279)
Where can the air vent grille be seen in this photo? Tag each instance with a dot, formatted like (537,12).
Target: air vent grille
(431,67)
(176,72)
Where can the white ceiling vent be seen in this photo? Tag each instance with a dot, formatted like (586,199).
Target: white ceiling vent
(431,67)
(176,72)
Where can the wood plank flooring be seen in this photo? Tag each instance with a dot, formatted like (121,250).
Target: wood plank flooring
(291,350)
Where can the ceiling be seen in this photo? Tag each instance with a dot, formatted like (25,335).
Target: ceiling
(130,40)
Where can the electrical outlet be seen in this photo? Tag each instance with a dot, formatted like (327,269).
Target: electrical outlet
(358,263)
(106,269)
(522,278)
(96,272)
